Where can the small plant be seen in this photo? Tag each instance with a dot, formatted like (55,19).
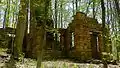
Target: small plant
(90,66)
(65,66)
(21,58)
(75,66)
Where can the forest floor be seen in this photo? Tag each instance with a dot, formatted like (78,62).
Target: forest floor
(31,63)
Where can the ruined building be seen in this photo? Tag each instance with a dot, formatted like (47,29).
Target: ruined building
(82,39)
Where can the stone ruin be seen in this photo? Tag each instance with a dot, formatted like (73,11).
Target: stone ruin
(83,38)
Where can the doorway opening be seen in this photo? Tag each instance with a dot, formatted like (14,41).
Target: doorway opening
(95,45)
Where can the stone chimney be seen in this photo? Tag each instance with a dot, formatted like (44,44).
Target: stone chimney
(79,15)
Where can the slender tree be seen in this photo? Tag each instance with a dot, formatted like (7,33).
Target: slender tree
(103,21)
(56,12)
(87,9)
(118,24)
(73,7)
(26,28)
(43,16)
(61,7)
(118,11)
(4,21)
(94,9)
(103,28)
(76,5)
(6,15)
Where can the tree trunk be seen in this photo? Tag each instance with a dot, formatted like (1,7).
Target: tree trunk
(26,28)
(118,17)
(56,12)
(43,43)
(61,7)
(41,34)
(6,15)
(76,5)
(103,23)
(20,30)
(103,29)
(94,9)
(4,21)
(118,11)
(73,7)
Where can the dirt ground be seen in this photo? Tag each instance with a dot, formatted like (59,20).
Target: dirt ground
(31,63)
